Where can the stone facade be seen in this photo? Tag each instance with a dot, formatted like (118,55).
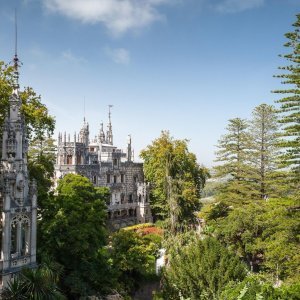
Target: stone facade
(18,196)
(107,166)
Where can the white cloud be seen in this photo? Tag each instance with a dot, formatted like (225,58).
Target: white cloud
(233,6)
(119,16)
(70,57)
(37,52)
(119,55)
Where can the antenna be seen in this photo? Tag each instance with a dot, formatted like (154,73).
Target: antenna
(16,34)
(109,111)
(16,59)
(84,109)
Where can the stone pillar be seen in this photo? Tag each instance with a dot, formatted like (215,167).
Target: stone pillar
(33,221)
(4,152)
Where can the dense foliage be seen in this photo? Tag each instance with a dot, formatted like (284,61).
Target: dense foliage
(200,270)
(133,257)
(73,234)
(176,179)
(38,284)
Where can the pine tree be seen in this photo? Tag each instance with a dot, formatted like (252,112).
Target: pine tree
(264,151)
(290,103)
(234,154)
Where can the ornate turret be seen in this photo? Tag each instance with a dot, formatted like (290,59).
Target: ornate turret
(18,196)
(109,133)
(101,136)
(84,133)
(129,151)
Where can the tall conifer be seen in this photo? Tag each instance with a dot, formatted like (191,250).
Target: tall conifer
(290,103)
(233,154)
(263,154)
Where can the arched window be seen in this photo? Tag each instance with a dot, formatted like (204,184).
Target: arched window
(20,235)
(140,198)
(69,159)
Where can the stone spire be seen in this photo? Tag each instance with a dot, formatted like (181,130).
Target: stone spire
(101,136)
(16,62)
(84,133)
(129,151)
(19,195)
(109,133)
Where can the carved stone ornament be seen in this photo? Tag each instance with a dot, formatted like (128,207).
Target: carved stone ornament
(20,218)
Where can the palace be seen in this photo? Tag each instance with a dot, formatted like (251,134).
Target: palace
(18,196)
(107,166)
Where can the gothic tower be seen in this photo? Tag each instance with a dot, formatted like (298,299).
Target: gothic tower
(109,134)
(84,133)
(101,136)
(18,196)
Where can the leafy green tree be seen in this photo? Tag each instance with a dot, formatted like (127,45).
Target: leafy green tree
(39,123)
(176,178)
(41,160)
(264,152)
(201,270)
(133,257)
(290,103)
(233,154)
(256,286)
(73,234)
(259,234)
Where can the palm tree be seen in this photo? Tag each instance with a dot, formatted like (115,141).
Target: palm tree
(34,284)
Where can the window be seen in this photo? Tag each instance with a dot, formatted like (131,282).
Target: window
(122,198)
(69,159)
(94,179)
(20,236)
(108,178)
(130,198)
(135,178)
(24,235)
(140,198)
(122,178)
(115,162)
(78,159)
(92,149)
(14,234)
(115,179)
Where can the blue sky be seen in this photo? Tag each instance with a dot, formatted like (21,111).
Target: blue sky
(186,66)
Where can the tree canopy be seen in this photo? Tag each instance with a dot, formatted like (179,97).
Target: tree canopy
(73,233)
(200,270)
(176,178)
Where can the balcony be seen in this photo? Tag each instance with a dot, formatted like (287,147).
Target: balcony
(113,207)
